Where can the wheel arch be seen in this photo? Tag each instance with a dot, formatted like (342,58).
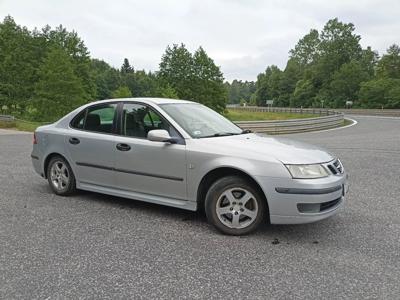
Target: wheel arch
(47,161)
(220,172)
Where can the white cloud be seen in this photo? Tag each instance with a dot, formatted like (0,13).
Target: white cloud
(243,37)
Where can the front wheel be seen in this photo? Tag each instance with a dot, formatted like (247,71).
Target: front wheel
(234,206)
(60,176)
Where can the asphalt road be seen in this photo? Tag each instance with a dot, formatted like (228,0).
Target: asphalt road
(96,246)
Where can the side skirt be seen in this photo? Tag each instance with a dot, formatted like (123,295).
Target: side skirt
(184,204)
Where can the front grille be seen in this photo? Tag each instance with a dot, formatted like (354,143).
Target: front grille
(335,167)
(327,205)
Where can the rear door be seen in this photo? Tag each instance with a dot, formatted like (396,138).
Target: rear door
(90,144)
(155,168)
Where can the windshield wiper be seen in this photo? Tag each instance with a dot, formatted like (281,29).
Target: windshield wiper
(245,131)
(220,134)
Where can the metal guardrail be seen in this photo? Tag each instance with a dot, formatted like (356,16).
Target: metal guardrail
(294,125)
(7,118)
(328,119)
(314,111)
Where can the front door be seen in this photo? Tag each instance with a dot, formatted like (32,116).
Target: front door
(154,168)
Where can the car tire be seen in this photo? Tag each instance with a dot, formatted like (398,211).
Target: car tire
(60,176)
(235,206)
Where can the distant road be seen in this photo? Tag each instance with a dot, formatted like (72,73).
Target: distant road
(372,112)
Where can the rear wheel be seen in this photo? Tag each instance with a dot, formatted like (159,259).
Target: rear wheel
(60,176)
(234,206)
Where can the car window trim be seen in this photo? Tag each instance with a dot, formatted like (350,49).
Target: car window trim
(84,121)
(181,138)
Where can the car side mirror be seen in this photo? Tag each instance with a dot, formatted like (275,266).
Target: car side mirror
(161,135)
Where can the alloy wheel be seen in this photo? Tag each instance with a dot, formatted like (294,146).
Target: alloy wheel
(237,208)
(59,175)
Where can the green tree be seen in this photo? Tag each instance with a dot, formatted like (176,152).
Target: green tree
(389,65)
(122,92)
(59,89)
(208,82)
(18,65)
(262,89)
(346,82)
(146,84)
(269,85)
(168,92)
(304,94)
(193,77)
(306,51)
(106,78)
(339,45)
(126,67)
(326,66)
(380,93)
(176,69)
(368,62)
(393,95)
(74,46)
(239,89)
(288,80)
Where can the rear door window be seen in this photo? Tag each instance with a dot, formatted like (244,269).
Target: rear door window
(98,118)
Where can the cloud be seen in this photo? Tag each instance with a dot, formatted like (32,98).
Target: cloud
(243,37)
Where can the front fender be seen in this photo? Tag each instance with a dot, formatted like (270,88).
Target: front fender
(200,164)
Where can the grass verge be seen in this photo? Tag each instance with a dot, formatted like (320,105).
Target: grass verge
(21,125)
(236,115)
(346,122)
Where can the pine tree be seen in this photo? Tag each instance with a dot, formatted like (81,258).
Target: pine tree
(126,67)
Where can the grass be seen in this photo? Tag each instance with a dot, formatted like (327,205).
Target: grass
(347,122)
(235,115)
(21,125)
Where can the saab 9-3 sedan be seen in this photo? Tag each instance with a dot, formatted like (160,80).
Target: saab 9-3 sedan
(183,154)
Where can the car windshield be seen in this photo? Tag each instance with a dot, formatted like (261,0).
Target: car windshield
(200,121)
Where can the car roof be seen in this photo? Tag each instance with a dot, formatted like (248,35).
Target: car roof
(146,100)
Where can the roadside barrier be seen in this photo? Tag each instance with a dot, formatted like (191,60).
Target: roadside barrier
(327,119)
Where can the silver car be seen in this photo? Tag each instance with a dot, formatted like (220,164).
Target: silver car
(183,154)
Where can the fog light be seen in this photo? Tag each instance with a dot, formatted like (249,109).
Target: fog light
(309,207)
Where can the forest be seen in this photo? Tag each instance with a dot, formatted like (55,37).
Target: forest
(45,73)
(327,69)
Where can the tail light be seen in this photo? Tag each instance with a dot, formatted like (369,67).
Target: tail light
(34,138)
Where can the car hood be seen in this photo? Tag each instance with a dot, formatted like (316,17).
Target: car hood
(259,146)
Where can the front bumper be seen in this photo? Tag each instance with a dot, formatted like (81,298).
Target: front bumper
(296,201)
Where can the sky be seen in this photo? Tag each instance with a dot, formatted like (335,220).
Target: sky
(242,36)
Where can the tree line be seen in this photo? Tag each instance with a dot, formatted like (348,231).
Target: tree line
(48,72)
(327,69)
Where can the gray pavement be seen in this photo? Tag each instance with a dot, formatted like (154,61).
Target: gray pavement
(96,246)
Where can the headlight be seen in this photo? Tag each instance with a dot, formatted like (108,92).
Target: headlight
(307,171)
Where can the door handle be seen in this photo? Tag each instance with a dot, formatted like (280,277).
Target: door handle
(123,147)
(74,141)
